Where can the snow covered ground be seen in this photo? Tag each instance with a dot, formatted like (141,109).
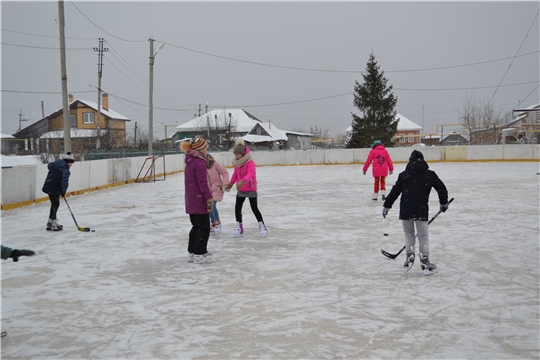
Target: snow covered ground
(316,288)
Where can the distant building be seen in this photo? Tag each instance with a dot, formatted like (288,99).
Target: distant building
(84,128)
(407,133)
(454,139)
(223,127)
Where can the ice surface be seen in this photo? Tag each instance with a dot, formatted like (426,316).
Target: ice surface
(317,287)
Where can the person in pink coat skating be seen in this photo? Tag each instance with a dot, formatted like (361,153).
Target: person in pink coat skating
(217,177)
(382,166)
(245,178)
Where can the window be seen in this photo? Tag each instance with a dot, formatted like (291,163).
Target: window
(411,138)
(402,138)
(73,121)
(88,118)
(538,117)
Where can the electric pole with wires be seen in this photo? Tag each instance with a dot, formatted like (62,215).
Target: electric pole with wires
(100,51)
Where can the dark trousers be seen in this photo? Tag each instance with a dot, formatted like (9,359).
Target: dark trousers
(199,234)
(55,204)
(254,208)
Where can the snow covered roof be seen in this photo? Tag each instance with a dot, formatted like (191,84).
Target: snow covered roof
(274,134)
(403,124)
(240,119)
(110,113)
(406,124)
(75,133)
(6,136)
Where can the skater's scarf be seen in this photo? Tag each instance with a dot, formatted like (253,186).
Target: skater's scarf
(244,159)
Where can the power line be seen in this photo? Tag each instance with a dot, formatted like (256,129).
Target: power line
(116,37)
(41,47)
(517,52)
(279,66)
(337,71)
(47,36)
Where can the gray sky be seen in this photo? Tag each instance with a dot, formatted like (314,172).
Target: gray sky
(294,63)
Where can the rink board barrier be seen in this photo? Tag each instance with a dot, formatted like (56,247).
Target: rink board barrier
(21,185)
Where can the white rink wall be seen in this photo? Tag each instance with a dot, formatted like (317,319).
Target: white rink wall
(21,185)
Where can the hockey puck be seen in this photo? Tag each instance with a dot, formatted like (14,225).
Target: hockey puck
(385,234)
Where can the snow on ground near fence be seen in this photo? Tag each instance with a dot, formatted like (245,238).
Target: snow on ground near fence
(316,288)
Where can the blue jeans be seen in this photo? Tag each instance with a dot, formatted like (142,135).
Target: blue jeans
(214,215)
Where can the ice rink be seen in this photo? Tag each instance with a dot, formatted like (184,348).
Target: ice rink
(317,287)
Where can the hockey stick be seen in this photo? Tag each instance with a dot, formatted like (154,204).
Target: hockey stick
(393,256)
(84,229)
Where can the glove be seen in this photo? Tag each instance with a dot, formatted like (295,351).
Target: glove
(15,254)
(240,184)
(443,208)
(364,172)
(209,205)
(391,172)
(227,187)
(385,212)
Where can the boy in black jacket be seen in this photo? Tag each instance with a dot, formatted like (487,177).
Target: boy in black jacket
(55,185)
(414,184)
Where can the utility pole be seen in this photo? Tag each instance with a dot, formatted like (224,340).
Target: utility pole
(21,119)
(135,138)
(151,97)
(42,110)
(67,127)
(199,110)
(100,51)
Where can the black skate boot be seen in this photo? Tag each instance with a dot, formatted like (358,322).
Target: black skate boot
(409,260)
(429,268)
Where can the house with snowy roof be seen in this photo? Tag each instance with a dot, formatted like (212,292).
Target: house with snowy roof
(407,132)
(84,128)
(527,121)
(223,127)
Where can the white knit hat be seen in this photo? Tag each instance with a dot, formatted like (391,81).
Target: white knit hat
(69,158)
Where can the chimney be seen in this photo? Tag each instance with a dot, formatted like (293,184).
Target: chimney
(70,98)
(269,124)
(105,101)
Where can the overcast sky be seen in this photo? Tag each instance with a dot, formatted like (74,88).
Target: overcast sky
(294,63)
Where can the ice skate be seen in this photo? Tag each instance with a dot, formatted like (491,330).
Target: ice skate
(217,227)
(56,226)
(409,259)
(190,257)
(263,229)
(212,227)
(50,225)
(429,268)
(374,196)
(203,259)
(383,195)
(238,230)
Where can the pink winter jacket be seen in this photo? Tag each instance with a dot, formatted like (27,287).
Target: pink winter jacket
(246,172)
(381,161)
(217,177)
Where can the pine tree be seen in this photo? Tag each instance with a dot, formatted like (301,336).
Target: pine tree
(377,103)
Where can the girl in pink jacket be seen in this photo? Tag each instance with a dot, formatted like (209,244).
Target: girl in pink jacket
(217,177)
(245,178)
(381,164)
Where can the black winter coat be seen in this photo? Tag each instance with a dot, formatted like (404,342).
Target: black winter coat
(57,180)
(414,184)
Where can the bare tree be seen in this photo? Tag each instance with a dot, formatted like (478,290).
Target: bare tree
(320,137)
(218,128)
(478,118)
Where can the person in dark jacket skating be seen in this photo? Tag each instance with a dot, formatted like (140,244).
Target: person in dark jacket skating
(414,184)
(56,184)
(198,199)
